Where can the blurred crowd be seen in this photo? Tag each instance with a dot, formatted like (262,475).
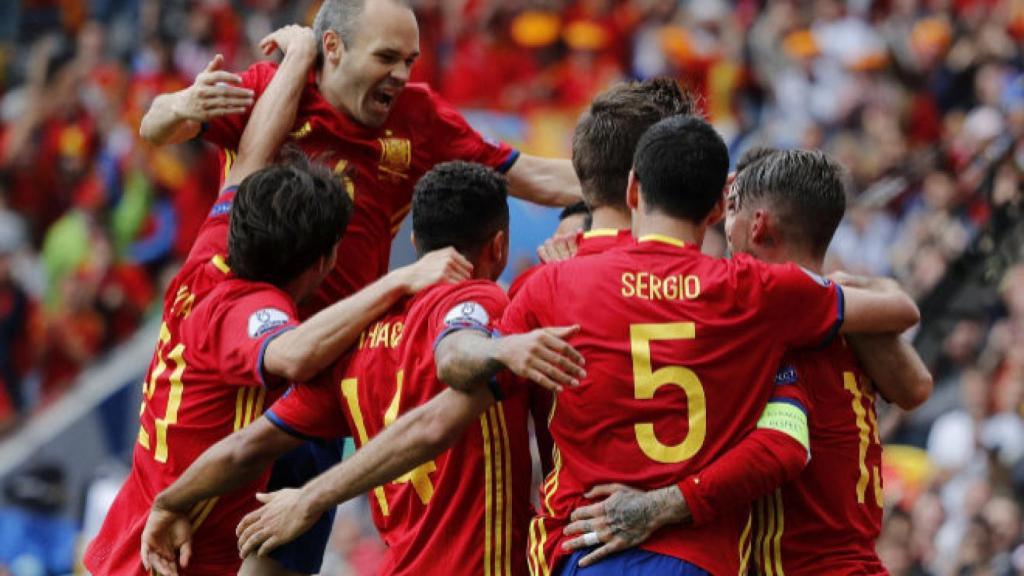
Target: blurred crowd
(922,101)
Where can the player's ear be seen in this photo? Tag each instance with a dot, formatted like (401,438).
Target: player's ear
(760,229)
(632,191)
(333,47)
(499,246)
(717,213)
(412,240)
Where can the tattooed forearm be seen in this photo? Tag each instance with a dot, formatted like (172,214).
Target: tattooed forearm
(635,515)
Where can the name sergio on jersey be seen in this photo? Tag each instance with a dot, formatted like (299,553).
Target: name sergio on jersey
(387,334)
(650,286)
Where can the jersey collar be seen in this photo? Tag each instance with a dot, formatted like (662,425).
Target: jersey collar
(662,239)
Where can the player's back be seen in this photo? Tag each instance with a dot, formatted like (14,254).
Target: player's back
(681,349)
(831,515)
(206,382)
(466,511)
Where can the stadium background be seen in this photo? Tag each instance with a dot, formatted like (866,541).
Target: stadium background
(923,102)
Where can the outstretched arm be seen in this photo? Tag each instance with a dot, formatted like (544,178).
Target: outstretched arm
(894,367)
(414,438)
(545,181)
(875,305)
(299,354)
(233,462)
(467,357)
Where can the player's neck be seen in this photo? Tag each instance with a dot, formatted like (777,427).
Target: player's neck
(332,96)
(807,261)
(662,225)
(609,217)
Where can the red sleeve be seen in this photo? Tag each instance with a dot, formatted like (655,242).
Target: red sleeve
(244,331)
(805,310)
(454,139)
(311,410)
(226,131)
(766,459)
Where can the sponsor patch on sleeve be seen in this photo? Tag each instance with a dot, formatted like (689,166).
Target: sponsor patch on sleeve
(263,321)
(467,314)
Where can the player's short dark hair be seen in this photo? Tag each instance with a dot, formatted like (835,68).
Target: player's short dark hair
(458,204)
(681,164)
(753,155)
(607,133)
(342,17)
(284,218)
(804,191)
(577,208)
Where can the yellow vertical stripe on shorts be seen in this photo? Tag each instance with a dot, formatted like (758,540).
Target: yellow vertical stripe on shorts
(745,543)
(507,553)
(203,515)
(779,527)
(485,429)
(769,533)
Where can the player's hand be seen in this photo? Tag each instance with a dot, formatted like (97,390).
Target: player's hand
(557,248)
(213,94)
(289,38)
(445,265)
(543,356)
(282,518)
(166,542)
(626,518)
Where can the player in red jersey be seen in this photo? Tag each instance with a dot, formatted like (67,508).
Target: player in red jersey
(223,342)
(358,114)
(461,512)
(786,209)
(665,331)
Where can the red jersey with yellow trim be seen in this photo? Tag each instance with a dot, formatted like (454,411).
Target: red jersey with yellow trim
(827,520)
(205,381)
(587,243)
(465,512)
(381,166)
(666,331)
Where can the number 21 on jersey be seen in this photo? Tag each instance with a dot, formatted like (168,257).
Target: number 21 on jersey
(176,356)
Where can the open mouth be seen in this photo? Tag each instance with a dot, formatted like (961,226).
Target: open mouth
(384,97)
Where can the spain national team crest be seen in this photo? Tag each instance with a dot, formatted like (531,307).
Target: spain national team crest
(395,157)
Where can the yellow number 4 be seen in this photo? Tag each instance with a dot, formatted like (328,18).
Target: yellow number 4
(646,382)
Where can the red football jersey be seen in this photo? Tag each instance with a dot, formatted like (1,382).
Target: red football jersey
(828,519)
(381,166)
(206,381)
(465,512)
(666,331)
(590,242)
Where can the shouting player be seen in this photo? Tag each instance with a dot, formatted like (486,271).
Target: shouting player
(785,208)
(358,113)
(225,340)
(465,510)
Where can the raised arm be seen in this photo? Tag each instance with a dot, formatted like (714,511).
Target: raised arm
(178,116)
(229,464)
(545,181)
(414,438)
(274,113)
(894,367)
(300,354)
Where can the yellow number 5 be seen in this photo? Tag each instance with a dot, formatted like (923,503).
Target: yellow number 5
(647,381)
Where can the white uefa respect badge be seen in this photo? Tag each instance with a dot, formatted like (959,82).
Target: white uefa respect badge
(467,313)
(265,320)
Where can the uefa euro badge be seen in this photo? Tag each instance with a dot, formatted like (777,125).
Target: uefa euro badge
(395,158)
(341,169)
